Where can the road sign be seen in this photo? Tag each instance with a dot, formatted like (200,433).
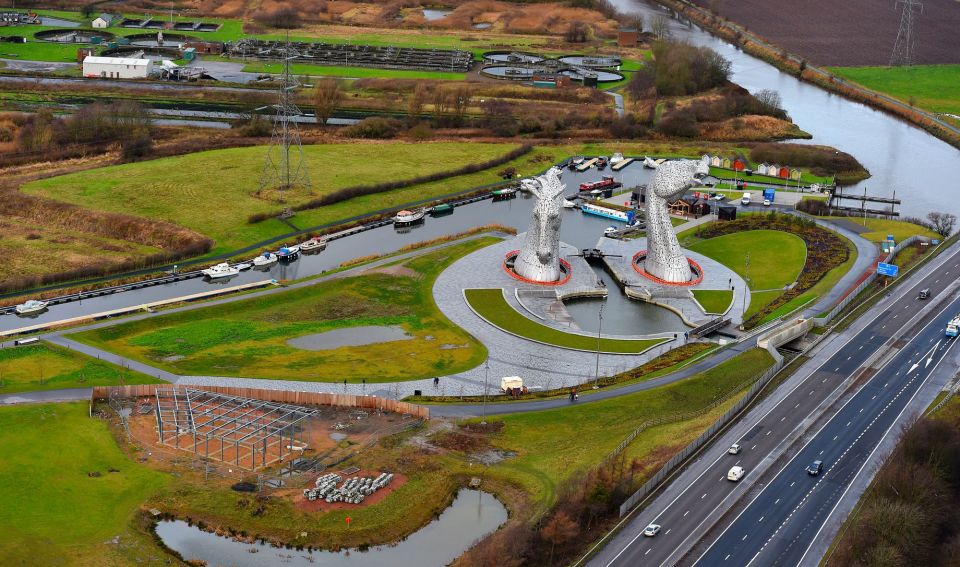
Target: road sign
(890,238)
(885,269)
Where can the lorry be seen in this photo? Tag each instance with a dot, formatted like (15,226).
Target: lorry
(745,200)
(769,194)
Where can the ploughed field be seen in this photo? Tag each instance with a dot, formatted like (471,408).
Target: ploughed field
(852,32)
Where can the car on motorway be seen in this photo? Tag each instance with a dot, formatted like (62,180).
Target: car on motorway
(734,449)
(651,530)
(815,468)
(924,293)
(767,202)
(736,473)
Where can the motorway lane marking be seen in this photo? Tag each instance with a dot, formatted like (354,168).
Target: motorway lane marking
(667,532)
(752,448)
(835,437)
(778,501)
(783,418)
(837,369)
(648,551)
(792,483)
(744,537)
(769,432)
(823,382)
(761,519)
(796,406)
(685,513)
(727,557)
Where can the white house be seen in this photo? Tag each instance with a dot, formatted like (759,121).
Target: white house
(102,21)
(116,67)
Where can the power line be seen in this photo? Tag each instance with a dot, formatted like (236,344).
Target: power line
(904,50)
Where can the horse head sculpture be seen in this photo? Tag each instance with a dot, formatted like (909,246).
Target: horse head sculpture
(665,259)
(539,259)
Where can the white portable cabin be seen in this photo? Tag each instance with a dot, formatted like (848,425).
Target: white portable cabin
(116,67)
(508,383)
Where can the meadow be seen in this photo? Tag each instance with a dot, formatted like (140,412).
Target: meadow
(931,87)
(45,366)
(713,300)
(249,338)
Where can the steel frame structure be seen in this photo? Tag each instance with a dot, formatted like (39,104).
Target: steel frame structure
(256,432)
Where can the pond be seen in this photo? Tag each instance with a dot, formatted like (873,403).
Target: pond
(431,15)
(472,515)
(352,336)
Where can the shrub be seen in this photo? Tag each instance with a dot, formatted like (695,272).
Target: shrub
(680,123)
(138,147)
(283,18)
(374,128)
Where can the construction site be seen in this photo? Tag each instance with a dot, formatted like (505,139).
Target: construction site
(351,55)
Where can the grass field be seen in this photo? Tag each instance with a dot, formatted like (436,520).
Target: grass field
(217,203)
(931,87)
(53,512)
(713,300)
(490,304)
(880,228)
(49,367)
(249,338)
(806,178)
(555,444)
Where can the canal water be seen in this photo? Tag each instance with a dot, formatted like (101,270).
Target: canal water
(473,515)
(902,158)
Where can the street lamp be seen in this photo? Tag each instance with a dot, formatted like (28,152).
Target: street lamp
(486,377)
(599,328)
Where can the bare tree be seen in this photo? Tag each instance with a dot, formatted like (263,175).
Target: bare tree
(943,223)
(461,101)
(326,98)
(415,103)
(440,100)
(660,27)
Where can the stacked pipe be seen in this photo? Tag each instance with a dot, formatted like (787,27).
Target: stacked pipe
(353,491)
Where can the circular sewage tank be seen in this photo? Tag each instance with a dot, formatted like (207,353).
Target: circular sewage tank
(591,62)
(509,72)
(511,57)
(602,76)
(73,36)
(150,39)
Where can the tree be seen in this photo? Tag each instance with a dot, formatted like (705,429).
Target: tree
(326,98)
(558,530)
(440,99)
(660,27)
(415,103)
(641,84)
(461,102)
(769,102)
(943,223)
(578,32)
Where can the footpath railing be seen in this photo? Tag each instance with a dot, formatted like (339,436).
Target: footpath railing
(101,393)
(671,465)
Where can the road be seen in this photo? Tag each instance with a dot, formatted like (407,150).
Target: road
(701,494)
(778,526)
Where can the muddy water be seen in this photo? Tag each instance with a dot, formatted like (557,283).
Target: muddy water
(902,158)
(472,515)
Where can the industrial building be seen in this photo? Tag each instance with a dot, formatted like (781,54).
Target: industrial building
(116,67)
(103,21)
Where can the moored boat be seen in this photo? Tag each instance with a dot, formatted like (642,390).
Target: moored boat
(441,209)
(568,204)
(30,306)
(221,270)
(265,259)
(409,217)
(616,158)
(242,266)
(288,253)
(575,161)
(315,244)
(504,194)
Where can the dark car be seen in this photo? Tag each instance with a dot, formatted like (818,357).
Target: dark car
(815,468)
(924,293)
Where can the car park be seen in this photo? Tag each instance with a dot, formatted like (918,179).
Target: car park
(652,530)
(815,468)
(734,449)
(736,473)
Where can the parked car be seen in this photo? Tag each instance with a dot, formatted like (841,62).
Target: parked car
(652,530)
(736,473)
(815,468)
(734,449)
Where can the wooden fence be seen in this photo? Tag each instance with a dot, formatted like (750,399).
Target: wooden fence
(101,393)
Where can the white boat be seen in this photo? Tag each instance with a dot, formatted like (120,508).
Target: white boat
(409,217)
(288,253)
(313,245)
(616,158)
(242,266)
(30,306)
(649,163)
(221,270)
(265,259)
(568,204)
(610,229)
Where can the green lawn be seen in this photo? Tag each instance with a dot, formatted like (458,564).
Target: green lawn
(806,178)
(491,305)
(54,512)
(249,338)
(880,228)
(49,367)
(214,192)
(714,300)
(932,87)
(554,445)
(775,261)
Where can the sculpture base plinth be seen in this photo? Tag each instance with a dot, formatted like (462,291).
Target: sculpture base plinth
(696,272)
(565,269)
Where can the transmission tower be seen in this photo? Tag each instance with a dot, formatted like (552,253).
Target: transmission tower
(905,48)
(281,170)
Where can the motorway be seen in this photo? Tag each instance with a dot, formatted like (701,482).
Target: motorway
(783,519)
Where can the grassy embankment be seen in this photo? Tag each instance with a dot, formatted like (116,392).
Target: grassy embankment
(713,300)
(935,88)
(491,305)
(49,367)
(54,512)
(221,201)
(776,259)
(806,178)
(878,229)
(249,338)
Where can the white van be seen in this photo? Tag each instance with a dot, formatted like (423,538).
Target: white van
(745,200)
(735,474)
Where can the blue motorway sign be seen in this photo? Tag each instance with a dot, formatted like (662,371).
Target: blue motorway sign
(885,269)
